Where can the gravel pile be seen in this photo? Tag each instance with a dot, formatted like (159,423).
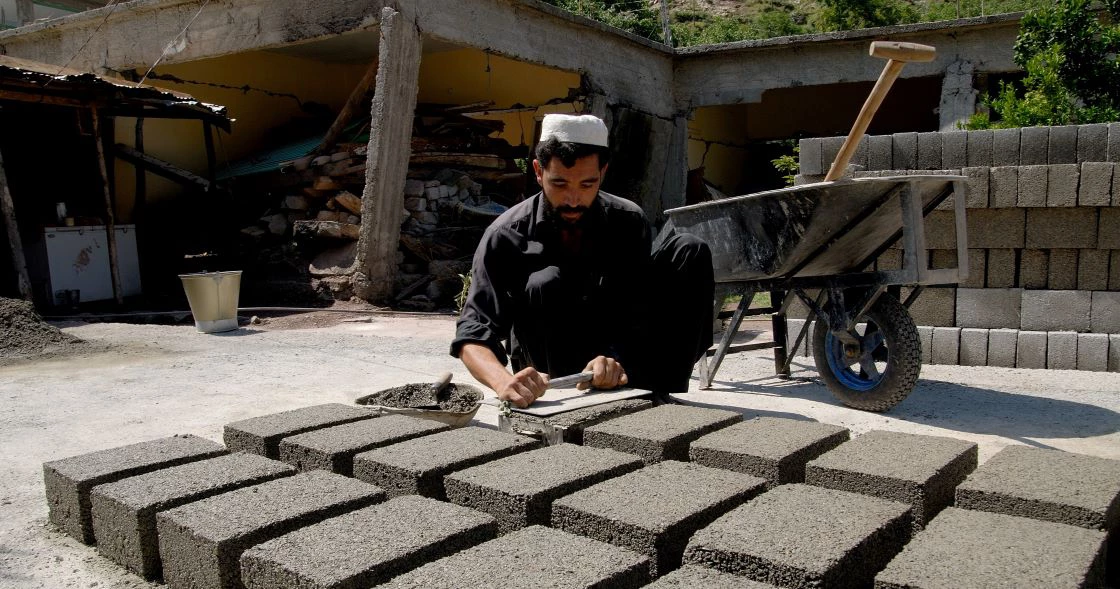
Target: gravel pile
(24,333)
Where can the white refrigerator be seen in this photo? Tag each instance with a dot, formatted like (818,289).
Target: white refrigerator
(78,258)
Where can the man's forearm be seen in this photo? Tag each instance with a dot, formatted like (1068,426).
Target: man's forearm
(484,366)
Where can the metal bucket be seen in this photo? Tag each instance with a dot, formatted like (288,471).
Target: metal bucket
(213,299)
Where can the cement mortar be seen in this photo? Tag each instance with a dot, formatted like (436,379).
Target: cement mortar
(772,448)
(455,397)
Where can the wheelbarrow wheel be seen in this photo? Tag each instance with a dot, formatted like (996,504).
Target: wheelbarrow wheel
(883,371)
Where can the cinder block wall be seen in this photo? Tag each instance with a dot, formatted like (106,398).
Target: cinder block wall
(1043,237)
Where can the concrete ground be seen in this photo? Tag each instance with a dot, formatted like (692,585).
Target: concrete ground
(153,381)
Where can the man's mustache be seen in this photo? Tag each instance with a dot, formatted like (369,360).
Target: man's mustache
(570,209)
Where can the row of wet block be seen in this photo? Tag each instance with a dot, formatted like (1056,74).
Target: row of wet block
(676,496)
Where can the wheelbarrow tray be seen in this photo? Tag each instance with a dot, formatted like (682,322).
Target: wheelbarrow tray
(814,230)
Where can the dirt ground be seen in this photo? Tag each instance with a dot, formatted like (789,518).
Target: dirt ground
(139,382)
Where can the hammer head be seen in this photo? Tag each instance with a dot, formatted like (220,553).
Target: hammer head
(899,51)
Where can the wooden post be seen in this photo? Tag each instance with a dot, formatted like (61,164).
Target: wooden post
(348,109)
(7,208)
(110,216)
(141,175)
(211,160)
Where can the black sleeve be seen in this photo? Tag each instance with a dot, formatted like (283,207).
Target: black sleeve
(487,314)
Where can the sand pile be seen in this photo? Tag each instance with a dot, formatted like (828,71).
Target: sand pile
(24,333)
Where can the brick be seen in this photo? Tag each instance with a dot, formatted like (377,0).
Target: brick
(124,512)
(655,510)
(880,150)
(929,151)
(974,347)
(989,307)
(1114,352)
(532,557)
(1056,310)
(830,146)
(954,149)
(690,576)
(1061,350)
(978,186)
(661,433)
(574,422)
(1104,312)
(1002,346)
(1034,268)
(1092,269)
(946,345)
(980,148)
(925,335)
(1034,145)
(1003,187)
(1061,185)
(996,228)
(333,448)
(1032,186)
(1095,188)
(904,154)
(809,156)
(803,536)
(1063,145)
(68,481)
(921,471)
(1113,142)
(1064,228)
(963,548)
(1109,238)
(977,269)
(1062,272)
(1005,147)
(1092,352)
(367,546)
(1092,143)
(1047,485)
(200,543)
(1002,266)
(935,307)
(1030,349)
(519,490)
(772,448)
(418,466)
(262,435)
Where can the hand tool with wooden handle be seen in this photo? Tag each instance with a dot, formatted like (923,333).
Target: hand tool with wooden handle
(897,55)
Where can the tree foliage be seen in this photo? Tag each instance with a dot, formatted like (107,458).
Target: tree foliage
(843,15)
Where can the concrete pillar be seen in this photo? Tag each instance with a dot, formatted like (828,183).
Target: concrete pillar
(390,138)
(958,97)
(25,12)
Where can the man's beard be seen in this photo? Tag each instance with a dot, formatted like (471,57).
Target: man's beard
(556,213)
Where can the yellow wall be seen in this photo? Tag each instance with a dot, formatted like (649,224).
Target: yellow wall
(724,127)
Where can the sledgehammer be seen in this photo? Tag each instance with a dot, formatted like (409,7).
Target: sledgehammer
(897,55)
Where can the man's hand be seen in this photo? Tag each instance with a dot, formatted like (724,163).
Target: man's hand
(609,374)
(523,388)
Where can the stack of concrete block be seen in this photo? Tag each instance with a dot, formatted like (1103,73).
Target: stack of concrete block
(661,433)
(333,448)
(772,448)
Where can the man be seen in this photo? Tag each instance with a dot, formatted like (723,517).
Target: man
(568,277)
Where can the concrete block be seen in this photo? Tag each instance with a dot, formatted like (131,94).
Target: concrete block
(793,327)
(1056,310)
(830,146)
(1032,186)
(367,546)
(1109,238)
(921,471)
(946,345)
(1092,269)
(989,308)
(860,155)
(954,149)
(1116,186)
(880,149)
(1002,267)
(941,231)
(418,466)
(1095,188)
(1061,350)
(1113,143)
(974,347)
(978,184)
(1062,271)
(1104,312)
(963,548)
(943,258)
(996,228)
(1030,349)
(1073,228)
(690,576)
(929,151)
(661,433)
(803,536)
(890,260)
(977,269)
(1092,352)
(262,435)
(980,148)
(1114,352)
(1092,143)
(1003,189)
(333,448)
(1063,145)
(809,156)
(519,490)
(1005,147)
(935,307)
(654,511)
(124,512)
(1002,347)
(772,448)
(925,335)
(574,422)
(904,154)
(68,481)
(1114,271)
(1034,268)
(1047,485)
(1061,185)
(532,557)
(1034,146)
(200,543)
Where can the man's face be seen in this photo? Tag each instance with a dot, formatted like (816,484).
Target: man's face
(570,191)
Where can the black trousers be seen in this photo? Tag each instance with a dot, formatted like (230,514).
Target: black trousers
(657,335)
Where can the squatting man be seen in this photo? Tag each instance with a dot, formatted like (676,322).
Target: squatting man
(570,280)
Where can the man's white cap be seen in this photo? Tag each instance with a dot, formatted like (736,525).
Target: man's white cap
(587,129)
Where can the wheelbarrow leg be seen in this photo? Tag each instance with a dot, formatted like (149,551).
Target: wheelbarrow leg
(780,329)
(708,371)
